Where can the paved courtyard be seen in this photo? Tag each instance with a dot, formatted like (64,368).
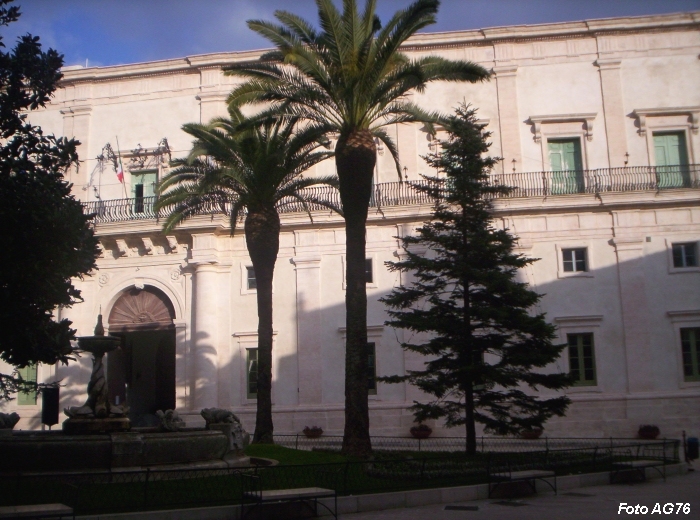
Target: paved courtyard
(597,502)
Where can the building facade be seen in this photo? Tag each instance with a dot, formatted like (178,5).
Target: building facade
(597,125)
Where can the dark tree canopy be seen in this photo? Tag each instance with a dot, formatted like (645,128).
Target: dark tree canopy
(47,239)
(465,309)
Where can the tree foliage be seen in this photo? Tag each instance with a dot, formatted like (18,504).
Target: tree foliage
(350,76)
(47,238)
(251,172)
(485,345)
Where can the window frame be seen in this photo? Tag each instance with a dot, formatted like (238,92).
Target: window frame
(374,336)
(249,340)
(369,257)
(684,319)
(248,270)
(582,380)
(560,248)
(670,243)
(248,381)
(582,324)
(21,396)
(372,368)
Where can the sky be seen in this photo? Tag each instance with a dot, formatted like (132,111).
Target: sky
(113,32)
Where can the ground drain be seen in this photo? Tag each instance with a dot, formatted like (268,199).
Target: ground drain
(461,508)
(574,494)
(511,503)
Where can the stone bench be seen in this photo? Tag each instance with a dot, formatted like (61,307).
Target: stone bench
(526,475)
(37,511)
(252,492)
(638,466)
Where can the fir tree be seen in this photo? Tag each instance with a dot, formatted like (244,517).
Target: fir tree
(485,345)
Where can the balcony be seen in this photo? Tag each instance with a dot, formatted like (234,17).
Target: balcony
(526,184)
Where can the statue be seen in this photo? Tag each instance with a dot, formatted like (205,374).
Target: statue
(170,420)
(8,420)
(227,422)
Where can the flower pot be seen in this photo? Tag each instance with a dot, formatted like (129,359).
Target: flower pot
(649,436)
(531,434)
(421,433)
(313,433)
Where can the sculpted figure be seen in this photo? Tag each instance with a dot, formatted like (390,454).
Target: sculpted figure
(227,422)
(170,420)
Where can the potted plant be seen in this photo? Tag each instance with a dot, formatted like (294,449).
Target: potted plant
(7,422)
(531,433)
(648,431)
(421,431)
(313,432)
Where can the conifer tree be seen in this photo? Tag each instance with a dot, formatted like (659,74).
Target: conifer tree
(484,344)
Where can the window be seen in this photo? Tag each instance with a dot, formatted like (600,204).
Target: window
(574,260)
(671,160)
(566,165)
(690,345)
(28,374)
(684,255)
(143,185)
(371,369)
(581,359)
(252,373)
(251,282)
(369,275)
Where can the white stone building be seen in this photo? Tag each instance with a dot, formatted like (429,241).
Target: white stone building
(615,103)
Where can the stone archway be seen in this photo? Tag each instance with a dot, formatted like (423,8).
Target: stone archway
(142,371)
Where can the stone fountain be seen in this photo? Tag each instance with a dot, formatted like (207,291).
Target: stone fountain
(97,414)
(97,436)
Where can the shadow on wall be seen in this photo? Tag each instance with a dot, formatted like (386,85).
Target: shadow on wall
(623,307)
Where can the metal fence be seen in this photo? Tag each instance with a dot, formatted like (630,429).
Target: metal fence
(525,184)
(389,470)
(456,444)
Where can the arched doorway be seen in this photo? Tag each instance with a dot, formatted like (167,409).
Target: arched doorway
(142,371)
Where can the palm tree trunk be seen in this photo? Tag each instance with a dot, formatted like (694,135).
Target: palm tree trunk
(262,230)
(355,160)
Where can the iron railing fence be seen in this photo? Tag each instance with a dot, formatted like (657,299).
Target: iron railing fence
(122,491)
(525,184)
(456,444)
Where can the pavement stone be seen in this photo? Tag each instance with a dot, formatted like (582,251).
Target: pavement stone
(600,502)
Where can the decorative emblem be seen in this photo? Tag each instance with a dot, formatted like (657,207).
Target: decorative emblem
(103,279)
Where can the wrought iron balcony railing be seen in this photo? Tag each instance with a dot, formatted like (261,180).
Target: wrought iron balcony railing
(526,184)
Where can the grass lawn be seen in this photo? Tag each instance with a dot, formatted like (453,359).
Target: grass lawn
(289,456)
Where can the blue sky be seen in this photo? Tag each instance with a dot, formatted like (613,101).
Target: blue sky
(110,32)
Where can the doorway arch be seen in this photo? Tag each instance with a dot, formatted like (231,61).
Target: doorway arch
(142,371)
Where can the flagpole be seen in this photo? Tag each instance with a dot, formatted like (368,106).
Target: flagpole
(121,166)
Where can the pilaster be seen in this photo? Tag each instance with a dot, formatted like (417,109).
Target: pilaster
(614,110)
(508,117)
(309,354)
(635,313)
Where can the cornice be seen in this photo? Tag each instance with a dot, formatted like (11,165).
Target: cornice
(419,42)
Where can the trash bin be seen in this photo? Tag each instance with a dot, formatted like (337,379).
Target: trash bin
(49,405)
(692,448)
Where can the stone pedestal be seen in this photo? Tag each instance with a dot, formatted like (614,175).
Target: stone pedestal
(84,425)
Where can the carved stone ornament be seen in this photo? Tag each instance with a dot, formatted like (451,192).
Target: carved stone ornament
(227,422)
(147,308)
(103,279)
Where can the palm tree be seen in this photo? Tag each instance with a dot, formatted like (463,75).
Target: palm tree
(250,173)
(352,77)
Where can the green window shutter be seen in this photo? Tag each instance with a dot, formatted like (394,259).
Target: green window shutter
(28,374)
(671,160)
(143,185)
(252,373)
(567,165)
(582,359)
(372,368)
(690,344)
